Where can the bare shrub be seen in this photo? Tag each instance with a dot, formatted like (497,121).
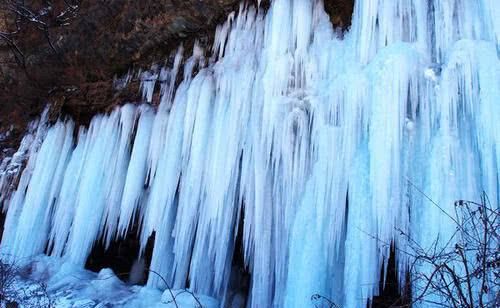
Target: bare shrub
(466,271)
(15,291)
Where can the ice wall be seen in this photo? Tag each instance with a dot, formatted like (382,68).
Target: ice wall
(318,143)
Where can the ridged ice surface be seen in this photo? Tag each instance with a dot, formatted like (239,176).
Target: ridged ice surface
(314,141)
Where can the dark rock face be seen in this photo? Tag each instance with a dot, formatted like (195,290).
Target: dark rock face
(340,12)
(105,39)
(73,63)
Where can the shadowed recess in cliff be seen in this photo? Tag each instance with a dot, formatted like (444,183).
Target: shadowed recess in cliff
(258,145)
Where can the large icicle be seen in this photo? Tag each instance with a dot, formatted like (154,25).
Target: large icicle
(29,227)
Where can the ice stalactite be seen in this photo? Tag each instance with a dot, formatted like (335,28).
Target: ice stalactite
(321,145)
(11,167)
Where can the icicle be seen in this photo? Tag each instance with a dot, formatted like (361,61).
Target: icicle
(32,220)
(137,171)
(10,167)
(160,211)
(148,83)
(65,204)
(117,168)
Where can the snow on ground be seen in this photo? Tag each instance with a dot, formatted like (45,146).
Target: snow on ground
(48,281)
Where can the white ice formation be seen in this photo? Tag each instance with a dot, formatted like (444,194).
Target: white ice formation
(320,144)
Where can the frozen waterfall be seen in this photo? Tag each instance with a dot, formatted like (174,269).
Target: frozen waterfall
(315,141)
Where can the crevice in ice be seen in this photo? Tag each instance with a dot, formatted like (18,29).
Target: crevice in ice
(391,294)
(240,277)
(123,257)
(3,216)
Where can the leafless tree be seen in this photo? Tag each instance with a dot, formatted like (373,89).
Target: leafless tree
(41,16)
(461,272)
(14,294)
(8,273)
(465,272)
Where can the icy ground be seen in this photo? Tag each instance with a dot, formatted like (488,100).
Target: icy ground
(51,282)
